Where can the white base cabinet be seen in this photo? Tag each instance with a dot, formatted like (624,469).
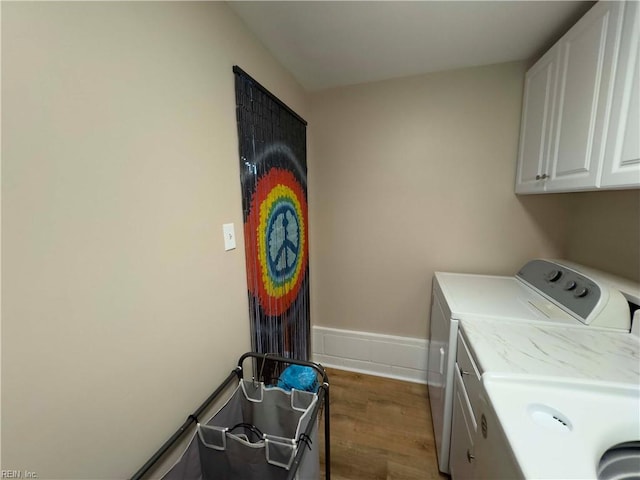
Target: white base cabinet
(494,459)
(579,126)
(464,426)
(479,448)
(463,430)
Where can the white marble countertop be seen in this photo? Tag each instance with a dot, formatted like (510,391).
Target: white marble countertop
(553,351)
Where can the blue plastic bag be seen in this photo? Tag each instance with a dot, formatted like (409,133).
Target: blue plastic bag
(300,378)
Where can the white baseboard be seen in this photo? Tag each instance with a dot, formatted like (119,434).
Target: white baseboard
(403,358)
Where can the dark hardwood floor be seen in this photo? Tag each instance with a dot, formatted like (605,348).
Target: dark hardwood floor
(380,429)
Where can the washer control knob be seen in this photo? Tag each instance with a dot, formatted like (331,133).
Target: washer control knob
(570,285)
(554,275)
(581,292)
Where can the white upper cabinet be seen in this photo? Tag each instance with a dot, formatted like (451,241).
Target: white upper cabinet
(571,98)
(537,116)
(621,166)
(586,60)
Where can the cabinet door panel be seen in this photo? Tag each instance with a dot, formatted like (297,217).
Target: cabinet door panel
(584,90)
(494,458)
(630,151)
(462,433)
(539,93)
(622,157)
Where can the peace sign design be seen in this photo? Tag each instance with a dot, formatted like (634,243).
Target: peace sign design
(283,241)
(276,230)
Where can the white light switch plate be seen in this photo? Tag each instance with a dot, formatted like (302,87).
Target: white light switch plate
(229,236)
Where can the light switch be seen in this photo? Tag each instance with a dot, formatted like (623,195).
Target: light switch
(229,236)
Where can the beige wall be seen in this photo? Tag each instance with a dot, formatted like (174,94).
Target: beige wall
(121,311)
(412,176)
(604,231)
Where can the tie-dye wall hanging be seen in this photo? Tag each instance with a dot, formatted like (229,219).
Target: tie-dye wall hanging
(273,175)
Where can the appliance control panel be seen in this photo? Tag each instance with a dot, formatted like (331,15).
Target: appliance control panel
(572,291)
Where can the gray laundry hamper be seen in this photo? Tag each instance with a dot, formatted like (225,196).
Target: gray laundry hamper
(260,433)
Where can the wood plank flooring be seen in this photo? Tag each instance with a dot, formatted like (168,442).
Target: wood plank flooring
(380,429)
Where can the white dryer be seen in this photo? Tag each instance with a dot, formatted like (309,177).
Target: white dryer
(543,291)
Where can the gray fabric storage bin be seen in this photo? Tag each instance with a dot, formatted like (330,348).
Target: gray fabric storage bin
(269,422)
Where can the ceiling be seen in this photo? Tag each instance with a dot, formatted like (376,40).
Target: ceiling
(327,44)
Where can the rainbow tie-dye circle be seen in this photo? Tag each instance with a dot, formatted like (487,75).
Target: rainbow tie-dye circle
(276,232)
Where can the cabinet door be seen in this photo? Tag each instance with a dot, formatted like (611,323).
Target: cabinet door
(494,458)
(584,97)
(535,130)
(621,166)
(462,432)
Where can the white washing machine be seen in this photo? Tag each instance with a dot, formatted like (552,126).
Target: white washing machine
(543,291)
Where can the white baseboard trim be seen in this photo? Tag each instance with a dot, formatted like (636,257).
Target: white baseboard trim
(402,358)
